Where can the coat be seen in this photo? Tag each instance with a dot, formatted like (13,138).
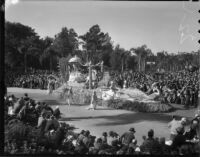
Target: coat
(127,138)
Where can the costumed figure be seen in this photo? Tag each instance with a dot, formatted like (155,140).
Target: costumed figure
(110,94)
(93,103)
(125,85)
(113,89)
(50,87)
(69,95)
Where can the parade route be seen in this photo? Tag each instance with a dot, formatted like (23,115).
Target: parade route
(105,119)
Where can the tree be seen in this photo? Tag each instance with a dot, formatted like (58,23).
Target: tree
(66,42)
(96,43)
(49,53)
(162,59)
(116,58)
(20,40)
(196,58)
(131,62)
(29,47)
(142,53)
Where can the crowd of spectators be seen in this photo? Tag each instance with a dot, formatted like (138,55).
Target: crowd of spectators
(37,79)
(180,87)
(53,137)
(174,87)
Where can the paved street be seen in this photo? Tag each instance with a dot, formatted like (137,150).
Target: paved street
(104,119)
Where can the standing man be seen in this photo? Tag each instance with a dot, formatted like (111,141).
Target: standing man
(174,124)
(170,124)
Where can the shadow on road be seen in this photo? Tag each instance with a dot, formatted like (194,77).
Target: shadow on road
(52,102)
(127,118)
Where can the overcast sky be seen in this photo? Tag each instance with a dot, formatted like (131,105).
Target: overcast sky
(170,26)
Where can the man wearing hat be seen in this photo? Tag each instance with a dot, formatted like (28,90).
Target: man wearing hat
(127,137)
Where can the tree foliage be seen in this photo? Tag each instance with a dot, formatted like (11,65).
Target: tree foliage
(142,53)
(66,42)
(24,49)
(19,39)
(97,44)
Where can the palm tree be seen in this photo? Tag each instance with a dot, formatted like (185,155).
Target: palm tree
(142,53)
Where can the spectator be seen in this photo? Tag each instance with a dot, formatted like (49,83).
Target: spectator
(179,139)
(26,98)
(192,132)
(81,136)
(127,137)
(132,147)
(150,145)
(42,123)
(57,112)
(86,138)
(52,124)
(174,124)
(98,145)
(104,137)
(81,148)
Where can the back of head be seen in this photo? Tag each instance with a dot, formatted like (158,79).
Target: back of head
(99,140)
(180,130)
(111,133)
(82,132)
(150,133)
(115,134)
(87,133)
(105,134)
(183,120)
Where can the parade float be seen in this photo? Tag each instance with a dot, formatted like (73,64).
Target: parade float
(108,94)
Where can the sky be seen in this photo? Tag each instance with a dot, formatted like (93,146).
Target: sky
(169,26)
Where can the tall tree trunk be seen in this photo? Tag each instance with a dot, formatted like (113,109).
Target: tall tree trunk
(122,64)
(51,63)
(139,63)
(144,64)
(25,62)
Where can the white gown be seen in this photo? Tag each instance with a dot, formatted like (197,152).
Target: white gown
(49,88)
(93,103)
